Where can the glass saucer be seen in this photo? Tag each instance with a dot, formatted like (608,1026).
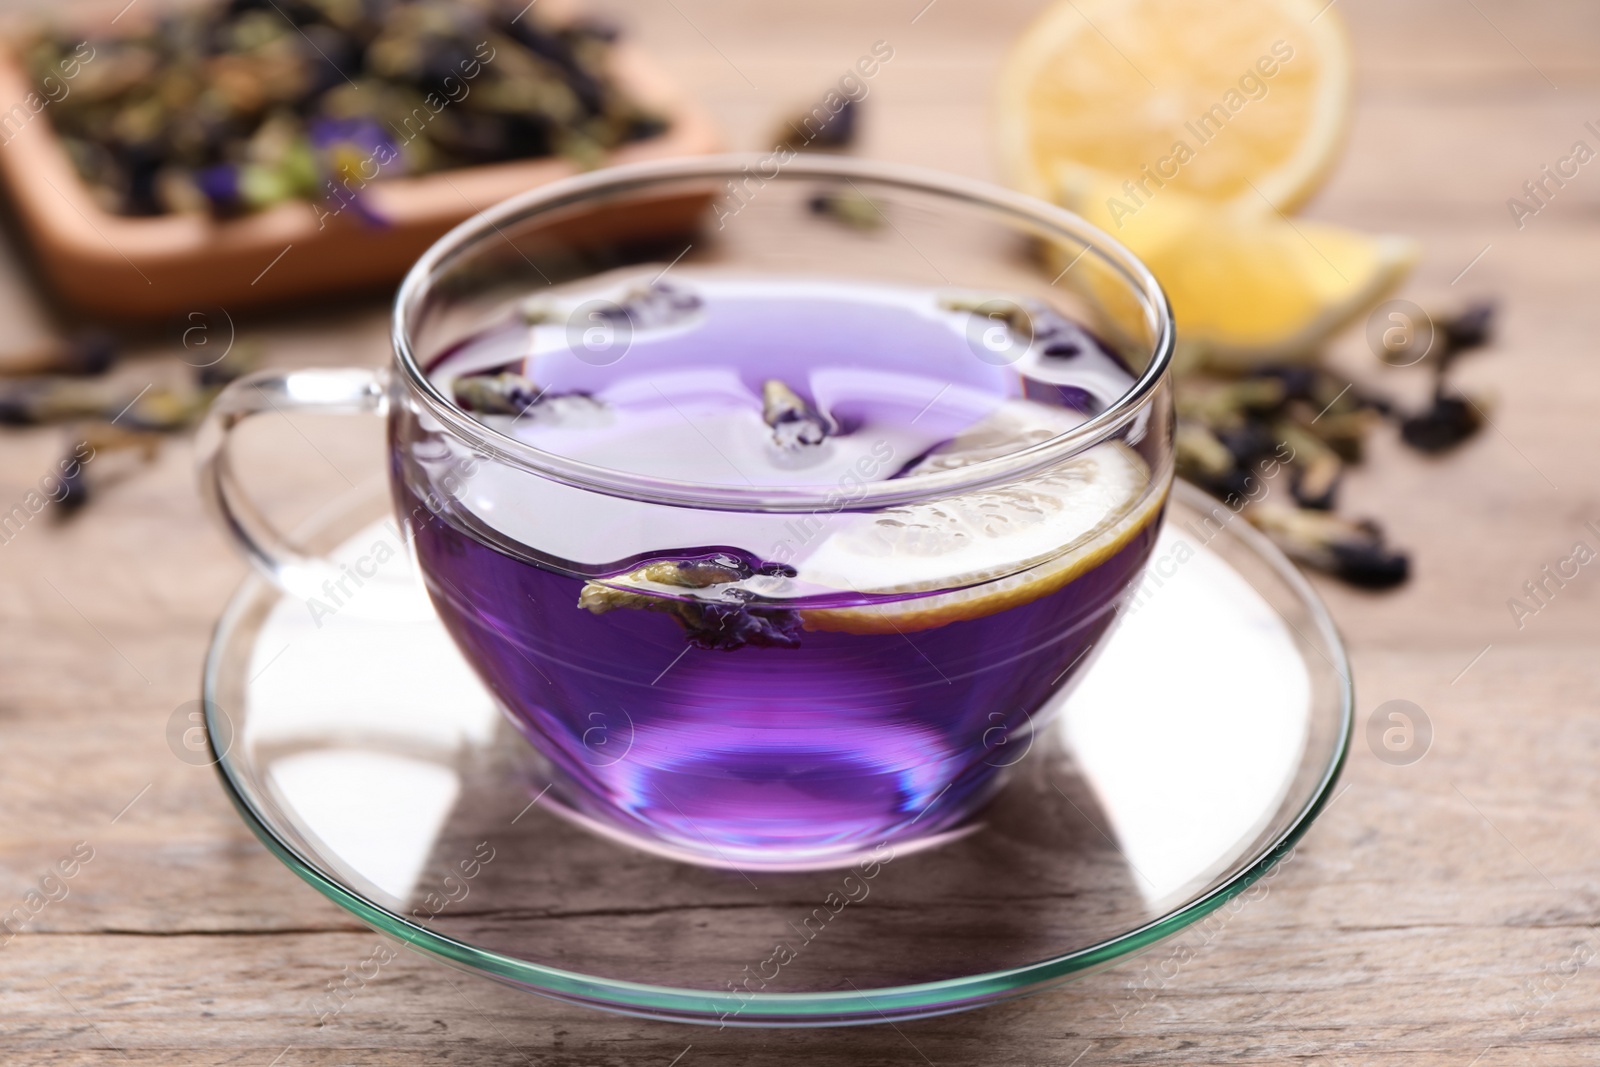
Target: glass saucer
(363,752)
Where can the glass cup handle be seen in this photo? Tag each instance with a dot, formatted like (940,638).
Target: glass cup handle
(345,391)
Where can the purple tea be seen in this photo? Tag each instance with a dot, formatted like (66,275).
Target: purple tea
(784,687)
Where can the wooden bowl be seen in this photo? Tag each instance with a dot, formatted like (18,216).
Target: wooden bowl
(133,269)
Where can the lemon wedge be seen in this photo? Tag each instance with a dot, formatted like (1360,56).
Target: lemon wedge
(1245,288)
(1246,100)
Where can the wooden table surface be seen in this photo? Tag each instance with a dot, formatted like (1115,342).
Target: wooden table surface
(1441,912)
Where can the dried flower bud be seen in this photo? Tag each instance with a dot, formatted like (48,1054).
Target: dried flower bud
(1449,421)
(1316,483)
(795,424)
(495,394)
(724,623)
(1468,329)
(855,209)
(1201,457)
(1019,320)
(88,353)
(1226,405)
(240,360)
(1353,551)
(818,130)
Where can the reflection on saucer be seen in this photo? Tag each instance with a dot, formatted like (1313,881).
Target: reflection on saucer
(1203,649)
(388,694)
(379,813)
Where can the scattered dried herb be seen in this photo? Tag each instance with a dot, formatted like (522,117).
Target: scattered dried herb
(109,417)
(1352,550)
(89,462)
(1452,417)
(232,107)
(1235,435)
(86,354)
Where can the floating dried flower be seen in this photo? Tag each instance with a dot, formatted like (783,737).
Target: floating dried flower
(795,424)
(504,393)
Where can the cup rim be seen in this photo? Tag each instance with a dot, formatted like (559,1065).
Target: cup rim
(489,223)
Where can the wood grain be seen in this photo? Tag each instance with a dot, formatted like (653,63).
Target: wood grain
(1433,916)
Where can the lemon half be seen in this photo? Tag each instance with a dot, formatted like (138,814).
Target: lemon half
(1256,93)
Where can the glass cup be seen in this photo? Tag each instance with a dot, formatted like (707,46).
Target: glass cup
(747,719)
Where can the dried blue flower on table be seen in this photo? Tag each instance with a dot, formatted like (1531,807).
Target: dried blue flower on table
(1450,420)
(820,128)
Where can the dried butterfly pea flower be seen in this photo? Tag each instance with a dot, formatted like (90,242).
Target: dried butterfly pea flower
(723,628)
(35,401)
(504,393)
(1450,420)
(1200,456)
(154,409)
(76,491)
(1316,482)
(88,353)
(242,358)
(1354,551)
(1469,328)
(656,305)
(850,207)
(1452,417)
(820,128)
(1236,434)
(795,424)
(353,152)
(1345,432)
(97,441)
(1225,405)
(725,624)
(599,597)
(540,311)
(1317,467)
(164,410)
(112,437)
(1013,315)
(1320,420)
(117,452)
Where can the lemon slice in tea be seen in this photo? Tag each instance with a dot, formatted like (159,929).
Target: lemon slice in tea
(993,548)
